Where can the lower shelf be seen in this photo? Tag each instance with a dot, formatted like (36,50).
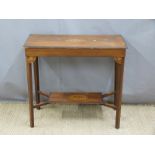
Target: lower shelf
(76,98)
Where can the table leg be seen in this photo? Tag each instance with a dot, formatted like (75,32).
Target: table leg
(119,68)
(30,92)
(36,80)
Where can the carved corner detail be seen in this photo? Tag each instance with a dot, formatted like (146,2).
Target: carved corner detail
(119,60)
(30,59)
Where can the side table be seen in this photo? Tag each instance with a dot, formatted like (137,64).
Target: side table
(37,46)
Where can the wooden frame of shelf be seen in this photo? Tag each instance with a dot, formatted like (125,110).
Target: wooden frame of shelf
(75,98)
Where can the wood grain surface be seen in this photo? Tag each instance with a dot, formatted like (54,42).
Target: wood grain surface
(77,97)
(75,41)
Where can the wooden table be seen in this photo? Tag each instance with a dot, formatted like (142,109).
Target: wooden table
(38,46)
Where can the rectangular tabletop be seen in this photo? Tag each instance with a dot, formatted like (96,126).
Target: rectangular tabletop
(75,41)
(72,45)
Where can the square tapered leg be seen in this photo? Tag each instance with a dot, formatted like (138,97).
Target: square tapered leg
(30,92)
(119,68)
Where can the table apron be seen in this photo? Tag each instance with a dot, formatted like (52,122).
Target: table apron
(73,52)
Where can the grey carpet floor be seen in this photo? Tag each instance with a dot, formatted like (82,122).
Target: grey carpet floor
(76,119)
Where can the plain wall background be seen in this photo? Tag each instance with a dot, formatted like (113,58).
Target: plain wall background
(79,74)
